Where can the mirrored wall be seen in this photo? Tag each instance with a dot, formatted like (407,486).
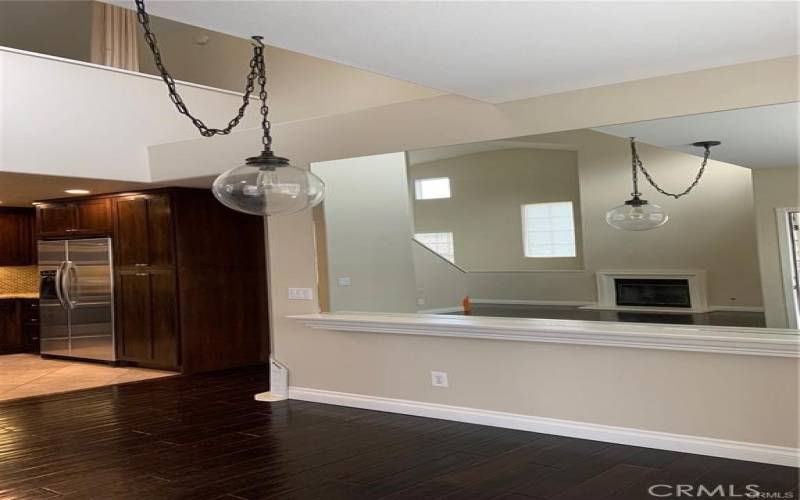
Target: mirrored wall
(519,227)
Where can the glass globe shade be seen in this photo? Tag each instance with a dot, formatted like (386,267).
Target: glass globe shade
(269,189)
(636,215)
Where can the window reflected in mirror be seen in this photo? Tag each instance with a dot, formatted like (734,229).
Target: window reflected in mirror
(517,227)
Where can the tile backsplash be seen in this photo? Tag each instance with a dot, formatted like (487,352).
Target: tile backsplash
(19,279)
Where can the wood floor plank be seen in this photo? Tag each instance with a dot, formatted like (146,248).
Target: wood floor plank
(204,437)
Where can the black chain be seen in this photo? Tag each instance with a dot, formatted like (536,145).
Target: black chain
(637,165)
(257,71)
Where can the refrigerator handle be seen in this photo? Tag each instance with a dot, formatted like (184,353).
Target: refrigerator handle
(69,267)
(58,283)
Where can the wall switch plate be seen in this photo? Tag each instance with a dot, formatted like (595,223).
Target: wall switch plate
(344,281)
(301,294)
(439,379)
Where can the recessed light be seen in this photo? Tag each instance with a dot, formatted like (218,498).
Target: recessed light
(77,191)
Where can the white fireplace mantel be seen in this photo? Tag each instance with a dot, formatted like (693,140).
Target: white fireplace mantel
(607,296)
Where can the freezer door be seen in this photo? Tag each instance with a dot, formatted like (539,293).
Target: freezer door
(87,285)
(54,316)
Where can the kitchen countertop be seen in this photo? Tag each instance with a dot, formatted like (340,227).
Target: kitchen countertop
(19,295)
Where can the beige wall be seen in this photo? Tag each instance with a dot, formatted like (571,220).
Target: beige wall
(773,188)
(717,395)
(59,28)
(368,233)
(484,211)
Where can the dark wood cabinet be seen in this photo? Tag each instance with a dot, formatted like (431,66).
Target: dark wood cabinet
(147,329)
(16,237)
(10,327)
(93,217)
(143,231)
(19,326)
(29,318)
(55,219)
(189,275)
(69,219)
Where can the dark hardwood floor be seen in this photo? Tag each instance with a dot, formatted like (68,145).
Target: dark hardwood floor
(204,437)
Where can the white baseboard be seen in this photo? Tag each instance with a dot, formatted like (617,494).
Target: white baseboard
(737,308)
(531,302)
(754,452)
(441,310)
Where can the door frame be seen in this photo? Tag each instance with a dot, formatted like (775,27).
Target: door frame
(787,265)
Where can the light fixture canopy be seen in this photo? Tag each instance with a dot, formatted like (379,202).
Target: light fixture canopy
(266,184)
(637,214)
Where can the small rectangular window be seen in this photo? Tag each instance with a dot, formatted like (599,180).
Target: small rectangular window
(432,189)
(441,243)
(548,229)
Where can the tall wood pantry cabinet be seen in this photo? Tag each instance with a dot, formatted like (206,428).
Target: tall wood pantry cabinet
(189,275)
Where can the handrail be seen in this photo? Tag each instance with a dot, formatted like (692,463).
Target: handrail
(439,256)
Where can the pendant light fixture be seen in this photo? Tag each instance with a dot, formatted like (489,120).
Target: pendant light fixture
(266,184)
(637,214)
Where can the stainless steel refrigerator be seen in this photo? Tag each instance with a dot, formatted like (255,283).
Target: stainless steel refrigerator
(76,301)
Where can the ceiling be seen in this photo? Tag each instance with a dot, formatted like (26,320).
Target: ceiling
(20,190)
(760,137)
(502,51)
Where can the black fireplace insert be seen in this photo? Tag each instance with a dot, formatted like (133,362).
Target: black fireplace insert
(653,292)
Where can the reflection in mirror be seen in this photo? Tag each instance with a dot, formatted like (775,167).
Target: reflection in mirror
(517,227)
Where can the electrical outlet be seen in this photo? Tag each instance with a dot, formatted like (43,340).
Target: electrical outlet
(301,294)
(420,301)
(439,379)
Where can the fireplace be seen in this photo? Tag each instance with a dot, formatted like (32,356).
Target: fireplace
(652,292)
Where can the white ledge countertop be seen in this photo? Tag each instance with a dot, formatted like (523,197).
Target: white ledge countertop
(696,338)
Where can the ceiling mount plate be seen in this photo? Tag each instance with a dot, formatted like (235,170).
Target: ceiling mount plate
(706,144)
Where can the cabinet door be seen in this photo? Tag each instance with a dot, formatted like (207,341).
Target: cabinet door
(10,328)
(143,231)
(56,219)
(133,316)
(93,217)
(146,318)
(16,237)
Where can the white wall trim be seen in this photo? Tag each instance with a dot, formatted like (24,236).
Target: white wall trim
(441,310)
(532,302)
(715,339)
(739,450)
(757,309)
